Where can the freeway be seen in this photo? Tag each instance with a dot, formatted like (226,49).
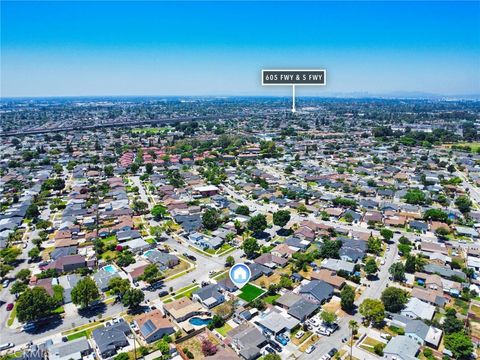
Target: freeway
(169,120)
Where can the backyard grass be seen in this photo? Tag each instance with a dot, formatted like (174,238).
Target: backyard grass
(270,299)
(461,306)
(250,292)
(224,329)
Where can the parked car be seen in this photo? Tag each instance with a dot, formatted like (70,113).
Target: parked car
(162,293)
(9,307)
(299,334)
(5,283)
(324,332)
(281,339)
(269,350)
(275,345)
(332,351)
(310,349)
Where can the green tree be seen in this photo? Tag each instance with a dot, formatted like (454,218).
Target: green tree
(397,270)
(347,298)
(217,322)
(10,254)
(436,215)
(151,274)
(34,253)
(410,264)
(108,170)
(118,286)
(394,299)
(330,249)
(371,266)
(463,204)
(132,298)
(281,218)
(159,212)
(451,323)
(257,223)
(250,246)
(211,219)
(163,346)
(18,287)
(328,317)
(34,304)
(243,210)
(387,234)
(285,282)
(85,292)
(230,261)
(122,356)
(459,344)
(374,245)
(149,168)
(415,197)
(24,275)
(32,212)
(58,294)
(373,311)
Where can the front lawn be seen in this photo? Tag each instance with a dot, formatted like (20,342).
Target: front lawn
(250,292)
(77,335)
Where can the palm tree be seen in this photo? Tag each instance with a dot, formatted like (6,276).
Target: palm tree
(353,326)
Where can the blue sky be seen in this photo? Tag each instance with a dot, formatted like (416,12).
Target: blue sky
(219,48)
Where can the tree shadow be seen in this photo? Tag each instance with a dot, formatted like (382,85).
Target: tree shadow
(93,310)
(284,232)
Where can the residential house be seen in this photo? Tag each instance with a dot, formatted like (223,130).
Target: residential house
(316,291)
(247,340)
(329,277)
(110,338)
(416,308)
(183,309)
(401,348)
(76,349)
(423,334)
(270,260)
(153,325)
(209,296)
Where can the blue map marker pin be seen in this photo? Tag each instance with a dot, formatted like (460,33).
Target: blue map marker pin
(240,275)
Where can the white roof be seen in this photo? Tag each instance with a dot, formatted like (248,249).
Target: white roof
(420,308)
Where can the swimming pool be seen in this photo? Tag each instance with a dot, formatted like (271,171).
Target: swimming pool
(199,321)
(145,254)
(110,268)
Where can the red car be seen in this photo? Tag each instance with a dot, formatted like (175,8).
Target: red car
(9,307)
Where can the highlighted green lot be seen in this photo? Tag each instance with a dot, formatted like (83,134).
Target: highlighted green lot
(250,292)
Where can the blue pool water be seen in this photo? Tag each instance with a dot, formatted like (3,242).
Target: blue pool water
(110,268)
(198,321)
(147,252)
